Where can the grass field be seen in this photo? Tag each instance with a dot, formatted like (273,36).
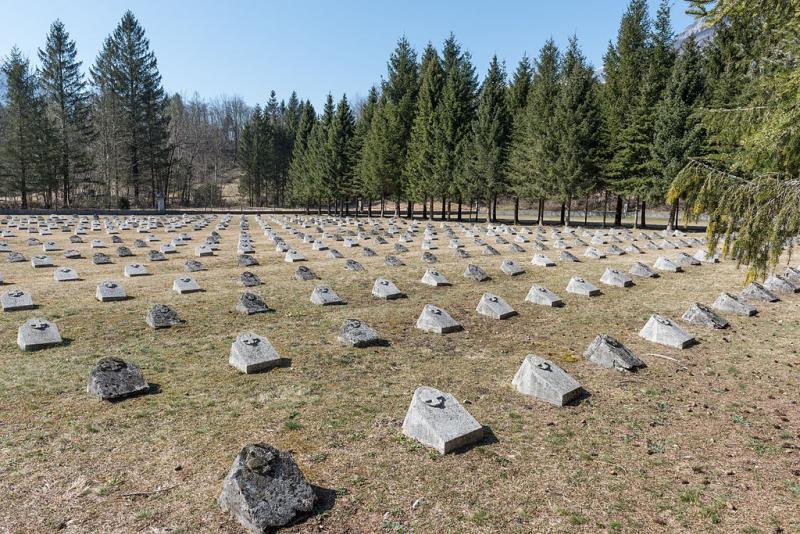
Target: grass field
(707,443)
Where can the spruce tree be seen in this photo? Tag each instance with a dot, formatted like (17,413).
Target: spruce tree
(299,188)
(488,149)
(577,123)
(517,100)
(341,153)
(318,157)
(420,164)
(19,147)
(534,147)
(67,101)
(363,124)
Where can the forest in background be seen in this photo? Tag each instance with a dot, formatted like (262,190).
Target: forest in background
(662,122)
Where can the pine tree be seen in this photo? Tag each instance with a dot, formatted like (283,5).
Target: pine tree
(341,153)
(577,123)
(489,144)
(517,99)
(363,123)
(19,147)
(534,146)
(420,164)
(454,116)
(319,158)
(299,189)
(67,101)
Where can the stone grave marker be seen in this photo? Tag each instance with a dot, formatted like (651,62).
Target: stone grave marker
(393,261)
(385,289)
(322,295)
(101,259)
(124,252)
(664,331)
(162,316)
(304,273)
(429,257)
(335,254)
(544,297)
(702,315)
(568,257)
(135,269)
(36,334)
(437,321)
(251,353)
(355,333)
(756,292)
(511,268)
(541,260)
(437,420)
(15,257)
(250,303)
(473,272)
(192,266)
(353,265)
(65,274)
(642,271)
(780,284)
(202,251)
(109,290)
(400,249)
(245,260)
(546,381)
(607,352)
(434,278)
(265,490)
(495,307)
(489,250)
(613,277)
(368,252)
(292,256)
(168,248)
(579,286)
(185,284)
(41,261)
(685,260)
(592,252)
(248,279)
(664,264)
(113,379)
(726,302)
(16,300)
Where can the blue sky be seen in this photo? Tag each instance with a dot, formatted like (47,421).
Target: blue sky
(248,47)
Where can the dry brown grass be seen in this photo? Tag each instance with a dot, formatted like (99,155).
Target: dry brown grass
(713,447)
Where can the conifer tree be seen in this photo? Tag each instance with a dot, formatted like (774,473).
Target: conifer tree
(319,159)
(517,100)
(341,153)
(577,123)
(299,190)
(362,126)
(67,104)
(488,149)
(534,147)
(420,164)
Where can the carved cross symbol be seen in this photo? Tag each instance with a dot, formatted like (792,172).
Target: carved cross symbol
(438,402)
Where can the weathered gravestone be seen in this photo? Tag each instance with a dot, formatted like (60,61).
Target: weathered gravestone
(202,251)
(613,277)
(16,300)
(114,379)
(385,289)
(545,380)
(437,420)
(35,334)
(304,273)
(251,353)
(702,315)
(435,320)
(193,266)
(543,296)
(685,260)
(292,256)
(109,290)
(495,307)
(607,352)
(324,296)
(756,292)
(335,254)
(246,261)
(135,269)
(542,261)
(664,264)
(353,265)
(65,274)
(265,490)
(568,257)
(124,252)
(643,271)
(780,284)
(579,286)
(355,333)
(41,261)
(592,252)
(101,259)
(511,268)
(393,261)
(162,316)
(250,303)
(473,272)
(248,279)
(72,254)
(728,303)
(15,257)
(664,331)
(434,278)
(185,284)
(400,249)
(429,257)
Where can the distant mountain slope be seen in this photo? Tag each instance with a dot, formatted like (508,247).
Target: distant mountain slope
(702,34)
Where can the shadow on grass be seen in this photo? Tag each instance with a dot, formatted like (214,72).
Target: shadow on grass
(326,498)
(489,438)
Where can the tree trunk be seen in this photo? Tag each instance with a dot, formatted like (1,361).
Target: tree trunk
(563,212)
(443,202)
(397,207)
(569,209)
(644,215)
(618,212)
(369,208)
(410,209)
(540,214)
(516,210)
(383,205)
(424,208)
(494,208)
(673,212)
(459,209)
(586,212)
(449,208)
(605,208)
(636,215)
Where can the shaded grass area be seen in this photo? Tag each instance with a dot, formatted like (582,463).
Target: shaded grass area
(710,447)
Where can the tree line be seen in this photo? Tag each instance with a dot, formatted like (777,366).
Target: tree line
(112,138)
(557,130)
